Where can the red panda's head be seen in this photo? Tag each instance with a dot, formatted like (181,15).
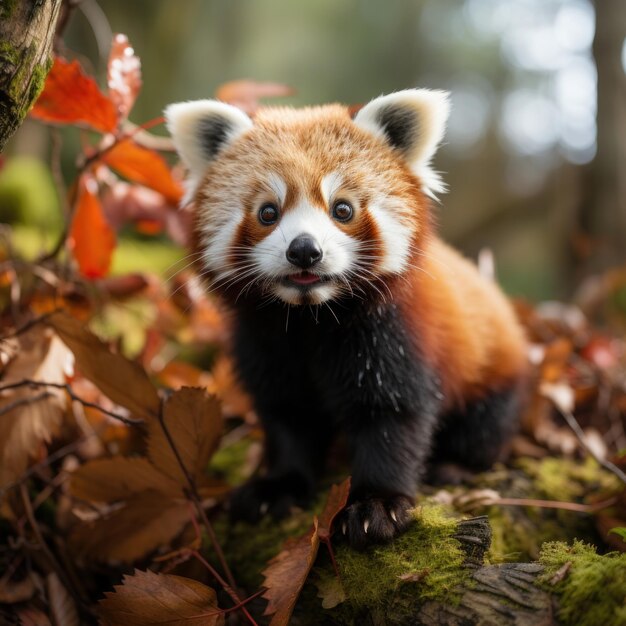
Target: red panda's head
(308,205)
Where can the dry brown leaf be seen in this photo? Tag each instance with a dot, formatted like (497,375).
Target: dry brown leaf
(285,576)
(119,478)
(20,591)
(42,357)
(336,501)
(145,522)
(194,422)
(148,598)
(62,606)
(123,381)
(330,591)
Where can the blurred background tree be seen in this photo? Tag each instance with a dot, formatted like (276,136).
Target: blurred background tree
(535,154)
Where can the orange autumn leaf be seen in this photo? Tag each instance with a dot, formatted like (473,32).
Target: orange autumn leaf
(71,97)
(145,167)
(91,239)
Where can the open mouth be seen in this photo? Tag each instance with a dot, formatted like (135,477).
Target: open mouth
(304,279)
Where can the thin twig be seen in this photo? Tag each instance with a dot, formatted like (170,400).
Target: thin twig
(195,497)
(555,504)
(7,408)
(52,560)
(229,590)
(568,416)
(129,421)
(28,325)
(192,493)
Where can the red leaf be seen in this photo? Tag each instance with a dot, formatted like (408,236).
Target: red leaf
(246,94)
(70,97)
(143,166)
(91,239)
(123,75)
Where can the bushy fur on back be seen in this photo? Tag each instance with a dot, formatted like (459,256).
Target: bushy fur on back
(349,314)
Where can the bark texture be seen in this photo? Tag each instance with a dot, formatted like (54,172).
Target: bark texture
(27,30)
(604,216)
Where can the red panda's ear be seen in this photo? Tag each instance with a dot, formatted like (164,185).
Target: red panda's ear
(413,121)
(200,129)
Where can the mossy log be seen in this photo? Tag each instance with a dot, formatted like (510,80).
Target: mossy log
(26,35)
(502,595)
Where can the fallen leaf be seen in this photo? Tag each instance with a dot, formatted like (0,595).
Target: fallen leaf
(246,94)
(123,381)
(91,238)
(145,167)
(119,478)
(148,598)
(12,592)
(123,75)
(193,420)
(145,522)
(336,502)
(330,591)
(62,606)
(285,576)
(71,97)
(37,413)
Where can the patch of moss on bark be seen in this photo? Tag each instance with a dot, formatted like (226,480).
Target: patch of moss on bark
(425,563)
(593,590)
(519,531)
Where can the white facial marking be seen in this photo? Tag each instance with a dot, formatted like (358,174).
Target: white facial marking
(395,234)
(331,183)
(218,235)
(278,187)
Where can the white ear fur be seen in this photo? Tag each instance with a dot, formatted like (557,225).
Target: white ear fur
(200,129)
(413,121)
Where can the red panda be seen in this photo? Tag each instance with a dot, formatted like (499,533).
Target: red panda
(350,317)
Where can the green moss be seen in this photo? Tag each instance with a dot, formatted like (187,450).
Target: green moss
(519,531)
(566,479)
(231,461)
(378,578)
(9,53)
(38,80)
(250,546)
(593,591)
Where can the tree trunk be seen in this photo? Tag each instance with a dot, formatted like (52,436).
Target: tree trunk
(26,34)
(604,214)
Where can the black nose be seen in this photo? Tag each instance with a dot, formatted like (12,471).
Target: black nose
(304,252)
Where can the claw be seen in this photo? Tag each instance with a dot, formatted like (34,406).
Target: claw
(264,508)
(393,516)
(343,528)
(366,525)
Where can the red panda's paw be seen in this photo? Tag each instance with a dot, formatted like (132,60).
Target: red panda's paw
(274,496)
(374,520)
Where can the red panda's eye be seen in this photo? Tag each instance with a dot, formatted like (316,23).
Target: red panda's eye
(268,214)
(342,211)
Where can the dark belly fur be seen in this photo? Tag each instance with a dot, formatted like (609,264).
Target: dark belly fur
(355,371)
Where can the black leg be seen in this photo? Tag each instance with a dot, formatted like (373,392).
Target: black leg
(477,437)
(296,445)
(388,459)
